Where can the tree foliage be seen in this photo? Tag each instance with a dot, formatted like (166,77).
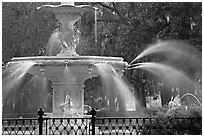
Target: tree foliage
(25,30)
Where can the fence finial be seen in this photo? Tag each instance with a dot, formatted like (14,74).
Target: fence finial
(40,112)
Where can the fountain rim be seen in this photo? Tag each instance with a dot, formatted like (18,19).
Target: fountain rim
(58,8)
(90,61)
(99,58)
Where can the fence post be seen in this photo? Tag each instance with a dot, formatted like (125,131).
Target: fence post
(93,120)
(40,120)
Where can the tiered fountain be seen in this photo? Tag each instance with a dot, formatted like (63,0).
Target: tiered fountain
(67,71)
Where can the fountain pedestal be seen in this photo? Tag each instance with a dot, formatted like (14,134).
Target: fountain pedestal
(74,91)
(66,80)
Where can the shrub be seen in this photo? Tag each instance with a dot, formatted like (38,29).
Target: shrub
(181,120)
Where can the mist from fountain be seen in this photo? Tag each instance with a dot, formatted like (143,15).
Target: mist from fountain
(68,76)
(173,77)
(18,86)
(125,92)
(13,75)
(53,45)
(176,51)
(114,83)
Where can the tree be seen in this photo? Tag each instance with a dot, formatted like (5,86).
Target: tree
(25,30)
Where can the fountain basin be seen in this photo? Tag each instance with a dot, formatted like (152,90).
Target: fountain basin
(67,74)
(47,66)
(80,59)
(67,8)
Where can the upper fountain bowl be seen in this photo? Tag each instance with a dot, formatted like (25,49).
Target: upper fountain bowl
(54,66)
(68,8)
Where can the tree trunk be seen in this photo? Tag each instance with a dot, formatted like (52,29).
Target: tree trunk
(111,101)
(143,96)
(165,95)
(122,105)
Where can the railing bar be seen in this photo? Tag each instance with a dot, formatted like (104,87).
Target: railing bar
(46,126)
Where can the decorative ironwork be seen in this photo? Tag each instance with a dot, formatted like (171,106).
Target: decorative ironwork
(146,126)
(67,126)
(16,126)
(100,126)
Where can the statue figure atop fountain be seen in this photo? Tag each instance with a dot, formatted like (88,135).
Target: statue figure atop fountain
(68,33)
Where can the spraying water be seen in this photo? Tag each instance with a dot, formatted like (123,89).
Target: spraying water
(189,94)
(124,91)
(113,80)
(53,45)
(68,76)
(174,78)
(175,49)
(18,72)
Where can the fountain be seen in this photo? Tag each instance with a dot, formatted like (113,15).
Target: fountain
(67,71)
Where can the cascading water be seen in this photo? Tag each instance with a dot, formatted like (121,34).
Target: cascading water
(12,80)
(114,83)
(63,68)
(19,87)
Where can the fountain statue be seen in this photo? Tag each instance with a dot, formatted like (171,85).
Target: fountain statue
(175,103)
(68,107)
(68,33)
(67,71)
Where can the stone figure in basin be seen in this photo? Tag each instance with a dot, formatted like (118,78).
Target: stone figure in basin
(68,108)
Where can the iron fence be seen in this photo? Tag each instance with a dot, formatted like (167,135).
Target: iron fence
(100,126)
(22,126)
(67,126)
(148,126)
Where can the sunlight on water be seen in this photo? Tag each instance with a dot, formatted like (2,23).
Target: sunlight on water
(40,87)
(32,90)
(124,91)
(53,45)
(11,70)
(8,84)
(68,77)
(44,88)
(112,80)
(178,50)
(173,77)
(15,77)
(178,54)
